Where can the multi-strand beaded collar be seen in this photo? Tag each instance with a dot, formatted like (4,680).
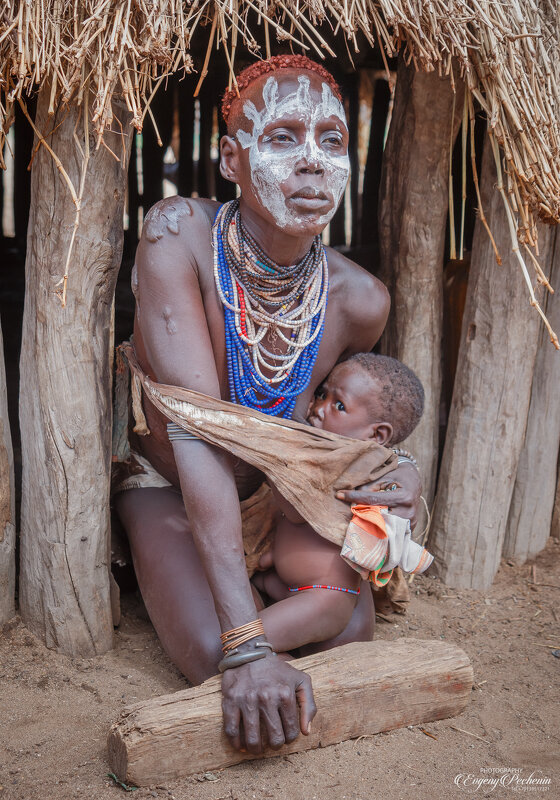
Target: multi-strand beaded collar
(259,298)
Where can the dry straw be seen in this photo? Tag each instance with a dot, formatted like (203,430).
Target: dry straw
(508,53)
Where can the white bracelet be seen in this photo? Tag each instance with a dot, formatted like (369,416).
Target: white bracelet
(404,456)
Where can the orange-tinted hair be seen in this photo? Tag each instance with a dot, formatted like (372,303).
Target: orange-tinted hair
(254,71)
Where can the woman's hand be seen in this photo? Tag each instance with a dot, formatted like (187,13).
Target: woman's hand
(403,501)
(266,702)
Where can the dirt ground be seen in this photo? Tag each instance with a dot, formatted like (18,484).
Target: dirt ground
(55,713)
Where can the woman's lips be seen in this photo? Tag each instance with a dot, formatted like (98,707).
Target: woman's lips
(310,199)
(309,203)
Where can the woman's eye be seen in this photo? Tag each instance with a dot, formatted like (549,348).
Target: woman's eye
(339,406)
(279,138)
(332,141)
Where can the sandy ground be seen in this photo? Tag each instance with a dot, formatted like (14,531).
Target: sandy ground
(55,713)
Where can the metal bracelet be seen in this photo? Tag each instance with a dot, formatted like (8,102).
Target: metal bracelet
(404,456)
(405,460)
(176,433)
(265,644)
(237,659)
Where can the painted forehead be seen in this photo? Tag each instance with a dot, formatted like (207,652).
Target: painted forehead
(286,97)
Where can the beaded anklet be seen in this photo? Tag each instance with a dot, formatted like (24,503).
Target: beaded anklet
(321,586)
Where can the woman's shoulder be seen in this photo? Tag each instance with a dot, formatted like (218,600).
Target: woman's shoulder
(362,299)
(352,280)
(178,215)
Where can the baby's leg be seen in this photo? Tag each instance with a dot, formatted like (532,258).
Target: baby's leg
(360,628)
(303,558)
(314,615)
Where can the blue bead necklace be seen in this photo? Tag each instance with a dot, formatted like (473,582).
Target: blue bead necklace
(291,310)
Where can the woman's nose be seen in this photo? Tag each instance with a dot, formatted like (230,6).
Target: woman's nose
(311,161)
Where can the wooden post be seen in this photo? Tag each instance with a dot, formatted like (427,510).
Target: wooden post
(65,398)
(489,407)
(360,689)
(555,526)
(7,504)
(530,513)
(413,212)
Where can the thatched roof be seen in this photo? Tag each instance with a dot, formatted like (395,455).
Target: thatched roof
(507,51)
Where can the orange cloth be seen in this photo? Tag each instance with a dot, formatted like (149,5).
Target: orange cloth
(376,542)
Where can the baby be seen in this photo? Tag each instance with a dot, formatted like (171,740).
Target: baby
(367,397)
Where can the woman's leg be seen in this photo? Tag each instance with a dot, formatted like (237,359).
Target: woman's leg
(360,628)
(171,579)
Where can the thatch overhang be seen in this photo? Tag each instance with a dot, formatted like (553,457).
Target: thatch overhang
(508,53)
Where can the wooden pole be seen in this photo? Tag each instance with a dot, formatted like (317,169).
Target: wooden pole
(7,504)
(489,407)
(530,513)
(555,526)
(360,689)
(65,408)
(413,212)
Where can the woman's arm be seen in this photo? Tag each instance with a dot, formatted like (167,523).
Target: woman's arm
(171,319)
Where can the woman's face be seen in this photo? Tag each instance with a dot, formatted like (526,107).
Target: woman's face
(293,154)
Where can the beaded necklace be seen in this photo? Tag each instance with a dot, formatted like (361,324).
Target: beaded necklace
(259,298)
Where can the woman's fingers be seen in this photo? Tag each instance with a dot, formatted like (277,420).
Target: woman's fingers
(266,702)
(399,497)
(306,702)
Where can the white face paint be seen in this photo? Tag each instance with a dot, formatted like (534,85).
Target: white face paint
(270,166)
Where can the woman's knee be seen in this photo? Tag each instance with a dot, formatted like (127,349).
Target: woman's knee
(198,660)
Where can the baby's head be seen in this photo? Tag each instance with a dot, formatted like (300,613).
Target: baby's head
(369,397)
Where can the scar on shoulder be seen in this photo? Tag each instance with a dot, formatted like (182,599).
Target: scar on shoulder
(165,216)
(169,321)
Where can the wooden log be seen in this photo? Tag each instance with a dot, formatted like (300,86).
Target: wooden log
(360,689)
(489,407)
(7,504)
(65,398)
(532,503)
(413,211)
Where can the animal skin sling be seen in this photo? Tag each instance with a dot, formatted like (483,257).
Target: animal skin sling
(305,464)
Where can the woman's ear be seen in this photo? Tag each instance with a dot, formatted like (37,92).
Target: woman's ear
(229,158)
(382,432)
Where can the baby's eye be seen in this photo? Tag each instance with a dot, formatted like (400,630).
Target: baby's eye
(339,406)
(320,393)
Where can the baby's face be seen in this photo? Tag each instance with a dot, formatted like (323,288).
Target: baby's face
(344,403)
